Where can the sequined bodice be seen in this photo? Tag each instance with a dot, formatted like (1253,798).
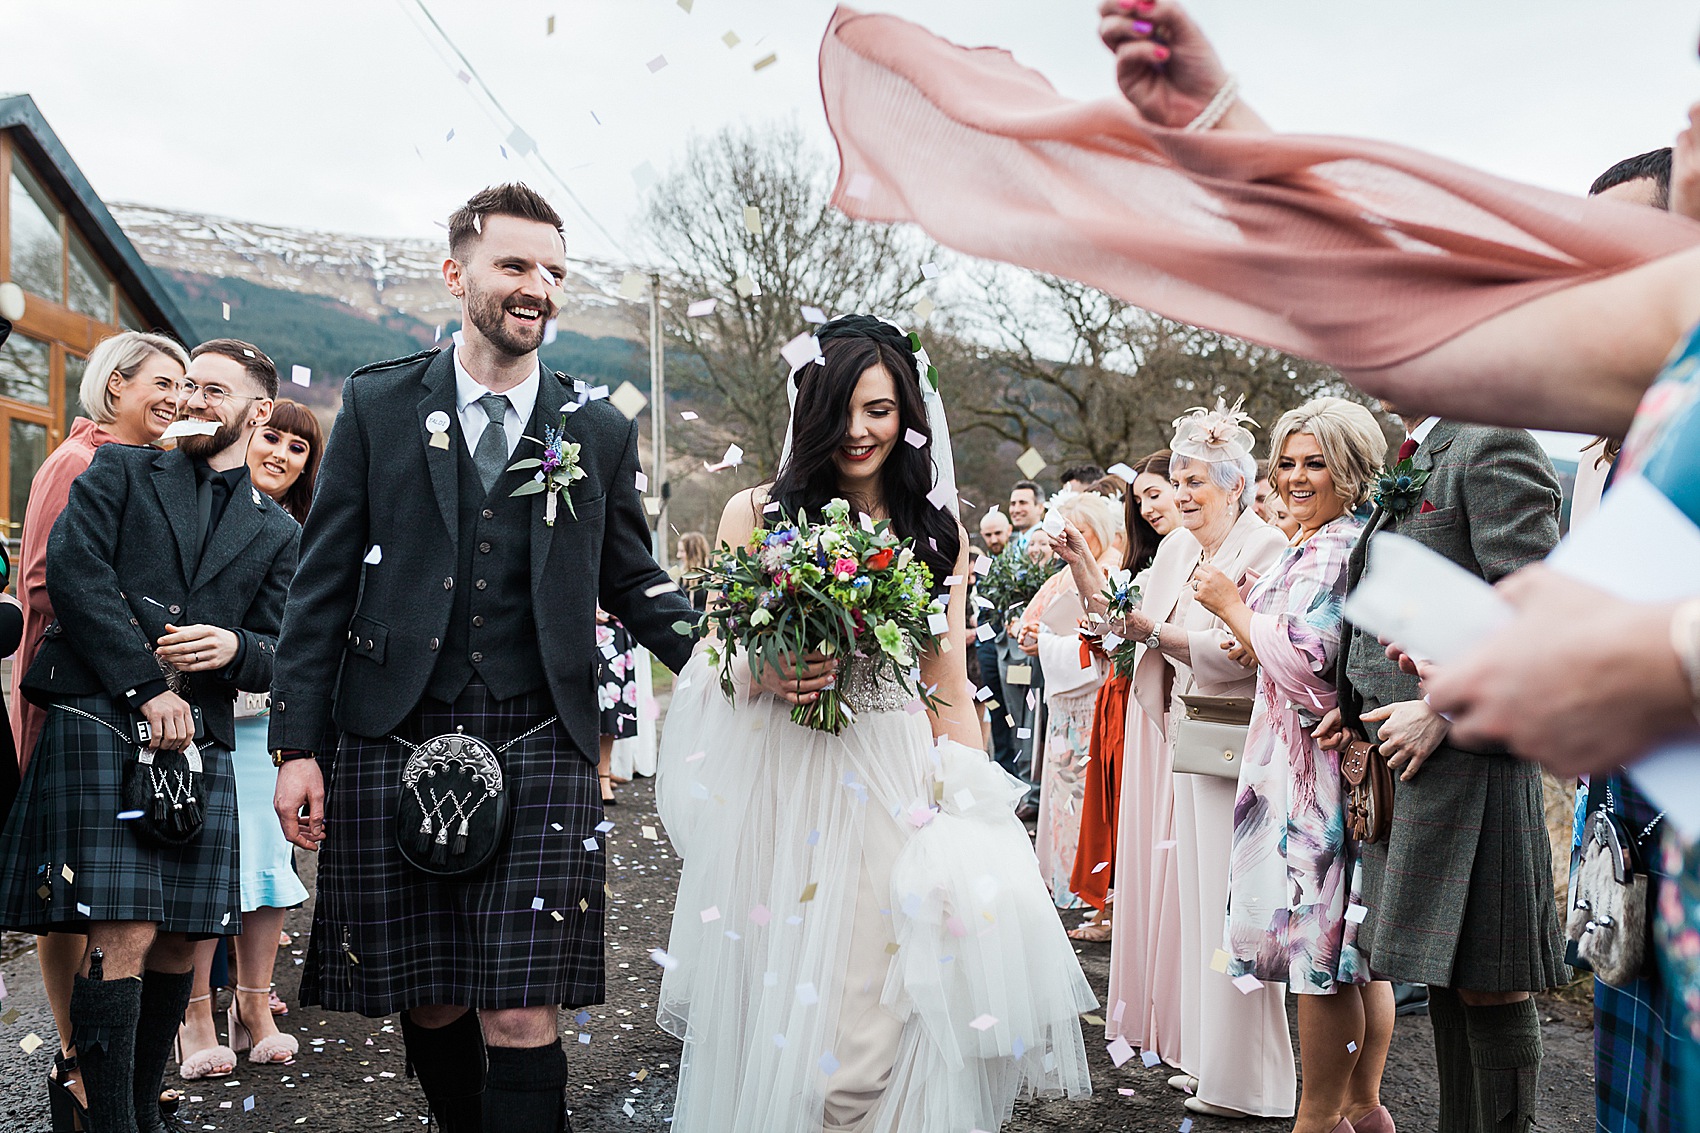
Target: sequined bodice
(870,689)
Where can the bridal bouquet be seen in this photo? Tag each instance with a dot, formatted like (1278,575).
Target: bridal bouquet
(1011,580)
(836,587)
(1122,596)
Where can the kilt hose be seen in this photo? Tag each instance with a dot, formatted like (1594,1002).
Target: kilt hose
(64,834)
(1460,894)
(526,931)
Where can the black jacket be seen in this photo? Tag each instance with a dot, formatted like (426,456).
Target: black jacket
(117,573)
(360,640)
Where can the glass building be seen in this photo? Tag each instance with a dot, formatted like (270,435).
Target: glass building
(82,281)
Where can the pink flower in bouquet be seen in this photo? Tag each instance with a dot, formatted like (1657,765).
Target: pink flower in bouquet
(844,569)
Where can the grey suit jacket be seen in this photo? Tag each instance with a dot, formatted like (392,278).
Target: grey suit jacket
(119,569)
(383,484)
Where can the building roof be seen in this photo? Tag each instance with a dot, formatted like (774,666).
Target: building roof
(53,163)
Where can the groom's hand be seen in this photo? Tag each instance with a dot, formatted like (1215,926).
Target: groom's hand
(799,682)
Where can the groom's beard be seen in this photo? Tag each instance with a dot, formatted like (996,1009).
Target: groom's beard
(210,444)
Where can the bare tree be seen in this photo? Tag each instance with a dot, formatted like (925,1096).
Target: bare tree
(801,252)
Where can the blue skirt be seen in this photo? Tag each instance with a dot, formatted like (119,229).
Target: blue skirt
(268,868)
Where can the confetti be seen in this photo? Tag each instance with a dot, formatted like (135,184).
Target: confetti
(929,271)
(1122,470)
(760,915)
(1030,463)
(632,285)
(69,874)
(730,39)
(710,914)
(1247,983)
(187,428)
(807,995)
(1356,913)
(752,220)
(641,481)
(537,904)
(129,815)
(983,1022)
(814,315)
(660,957)
(765,62)
(808,894)
(1186,1125)
(1120,1050)
(687,415)
(1219,961)
(374,556)
(924,310)
(656,63)
(629,400)
(828,1064)
(801,351)
(734,457)
(556,913)
(861,187)
(248,1104)
(914,438)
(649,832)
(1018,675)
(592,845)
(1351,1048)
(698,309)
(1151,1058)
(30,1042)
(226,307)
(746,286)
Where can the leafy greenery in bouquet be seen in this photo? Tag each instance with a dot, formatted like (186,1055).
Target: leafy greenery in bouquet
(836,587)
(1012,579)
(1123,597)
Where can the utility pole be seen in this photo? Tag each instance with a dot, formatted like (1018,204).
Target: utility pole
(658,420)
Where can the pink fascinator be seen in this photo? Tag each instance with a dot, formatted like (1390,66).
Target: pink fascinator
(1214,435)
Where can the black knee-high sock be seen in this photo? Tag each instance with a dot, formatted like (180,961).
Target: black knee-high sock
(165,995)
(526,1092)
(1457,1074)
(103,1025)
(450,1065)
(1506,1048)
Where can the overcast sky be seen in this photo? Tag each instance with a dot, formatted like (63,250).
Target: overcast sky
(336,114)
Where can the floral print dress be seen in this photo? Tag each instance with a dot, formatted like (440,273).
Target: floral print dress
(616,682)
(1292,873)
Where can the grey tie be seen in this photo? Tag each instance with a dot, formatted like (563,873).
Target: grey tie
(490,455)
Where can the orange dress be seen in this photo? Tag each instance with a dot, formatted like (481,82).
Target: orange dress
(1094,861)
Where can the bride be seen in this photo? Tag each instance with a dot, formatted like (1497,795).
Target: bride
(862,940)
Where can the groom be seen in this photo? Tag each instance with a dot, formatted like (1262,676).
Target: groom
(440,594)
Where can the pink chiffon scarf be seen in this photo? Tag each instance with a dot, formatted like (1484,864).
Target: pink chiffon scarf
(1357,253)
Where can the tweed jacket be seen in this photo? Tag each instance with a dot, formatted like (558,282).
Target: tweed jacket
(361,638)
(1460,894)
(119,565)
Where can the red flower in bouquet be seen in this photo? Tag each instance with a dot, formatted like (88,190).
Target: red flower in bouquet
(879,560)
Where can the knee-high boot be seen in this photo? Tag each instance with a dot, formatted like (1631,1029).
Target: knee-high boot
(450,1065)
(165,995)
(103,1026)
(527,1089)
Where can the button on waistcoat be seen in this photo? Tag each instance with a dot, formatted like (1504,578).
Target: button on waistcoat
(492,628)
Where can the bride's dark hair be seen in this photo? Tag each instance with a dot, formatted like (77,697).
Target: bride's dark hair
(821,417)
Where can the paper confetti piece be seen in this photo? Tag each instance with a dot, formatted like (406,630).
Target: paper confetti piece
(861,187)
(1219,961)
(30,1042)
(915,438)
(84,909)
(924,309)
(734,457)
(828,1064)
(929,271)
(1151,1058)
(983,1022)
(69,874)
(1356,913)
(687,415)
(730,39)
(807,995)
(1018,675)
(700,308)
(374,556)
(752,220)
(1351,1048)
(765,62)
(1120,1050)
(629,400)
(633,284)
(1122,470)
(801,351)
(649,832)
(710,914)
(660,957)
(1247,983)
(226,307)
(556,914)
(808,894)
(760,915)
(1030,463)
(301,375)
(656,63)
(814,315)
(537,904)
(592,845)
(248,1104)
(1186,1125)
(188,428)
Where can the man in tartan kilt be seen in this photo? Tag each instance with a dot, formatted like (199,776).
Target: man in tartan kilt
(168,572)
(1460,893)
(473,510)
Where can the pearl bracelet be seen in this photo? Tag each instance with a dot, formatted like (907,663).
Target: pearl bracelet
(1685,639)
(1217,108)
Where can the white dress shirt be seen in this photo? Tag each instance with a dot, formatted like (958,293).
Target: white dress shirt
(522,399)
(1421,432)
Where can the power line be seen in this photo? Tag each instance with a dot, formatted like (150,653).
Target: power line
(513,122)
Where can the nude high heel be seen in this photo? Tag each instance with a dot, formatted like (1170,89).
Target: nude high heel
(274,1048)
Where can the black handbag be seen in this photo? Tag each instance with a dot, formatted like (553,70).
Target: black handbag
(454,808)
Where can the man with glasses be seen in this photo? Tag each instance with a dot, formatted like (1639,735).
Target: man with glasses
(168,573)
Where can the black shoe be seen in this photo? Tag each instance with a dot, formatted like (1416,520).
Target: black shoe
(1027,811)
(69,1115)
(1410,999)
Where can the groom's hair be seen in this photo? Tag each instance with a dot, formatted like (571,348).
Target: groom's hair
(1654,166)
(466,223)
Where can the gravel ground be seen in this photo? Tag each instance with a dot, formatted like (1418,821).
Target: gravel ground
(349,1076)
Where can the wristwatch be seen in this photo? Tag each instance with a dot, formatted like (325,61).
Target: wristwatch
(1155,637)
(281,756)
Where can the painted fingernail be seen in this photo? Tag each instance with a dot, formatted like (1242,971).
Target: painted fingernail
(1144,5)
(1143,27)
(1127,5)
(1161,54)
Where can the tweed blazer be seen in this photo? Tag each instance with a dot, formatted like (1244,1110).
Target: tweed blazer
(121,564)
(361,639)
(1460,894)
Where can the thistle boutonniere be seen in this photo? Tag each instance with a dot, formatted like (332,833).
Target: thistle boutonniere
(1401,489)
(556,471)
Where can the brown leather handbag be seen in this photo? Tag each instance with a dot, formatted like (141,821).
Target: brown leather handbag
(1369,791)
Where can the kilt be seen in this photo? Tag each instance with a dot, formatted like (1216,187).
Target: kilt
(526,931)
(1460,894)
(66,816)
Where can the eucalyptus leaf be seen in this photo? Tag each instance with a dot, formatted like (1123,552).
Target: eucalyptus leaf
(522,465)
(529,488)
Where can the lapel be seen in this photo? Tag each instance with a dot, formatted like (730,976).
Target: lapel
(1438,441)
(174,484)
(243,517)
(1169,572)
(443,463)
(551,395)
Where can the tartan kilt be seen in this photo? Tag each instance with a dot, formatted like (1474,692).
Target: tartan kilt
(66,815)
(1460,894)
(388,937)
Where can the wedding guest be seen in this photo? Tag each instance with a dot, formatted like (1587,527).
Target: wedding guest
(616,695)
(1460,894)
(693,560)
(1234,1050)
(1292,873)
(129,395)
(1023,703)
(1111,487)
(1049,631)
(995,531)
(1149,513)
(1079,477)
(1026,508)
(1264,492)
(283,462)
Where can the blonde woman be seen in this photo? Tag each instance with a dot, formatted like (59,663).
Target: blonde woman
(1072,678)
(129,396)
(1293,872)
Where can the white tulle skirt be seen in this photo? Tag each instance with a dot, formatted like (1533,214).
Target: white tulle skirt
(862,940)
